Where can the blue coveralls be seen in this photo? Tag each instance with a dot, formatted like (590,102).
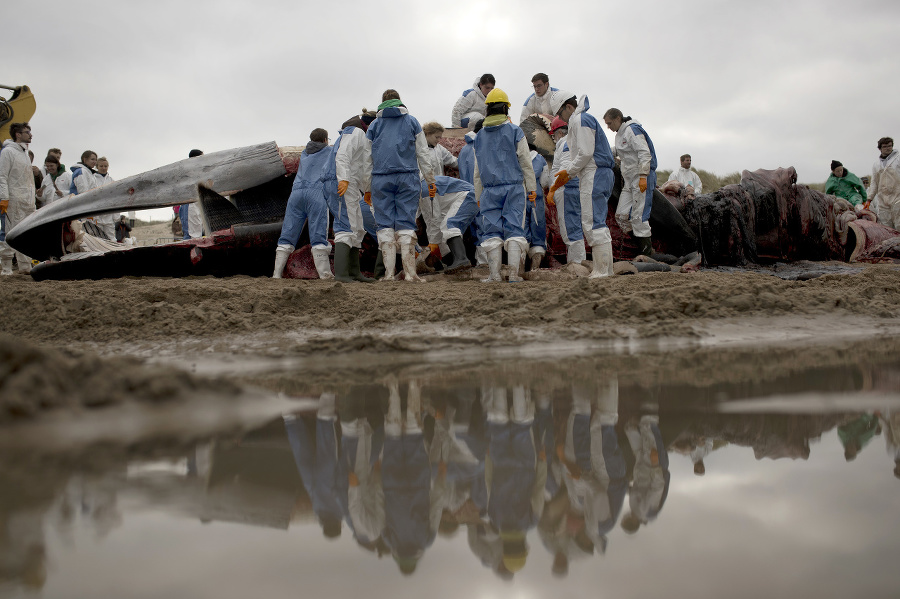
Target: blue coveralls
(462,212)
(308,200)
(502,198)
(536,214)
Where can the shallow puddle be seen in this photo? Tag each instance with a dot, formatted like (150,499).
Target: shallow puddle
(678,472)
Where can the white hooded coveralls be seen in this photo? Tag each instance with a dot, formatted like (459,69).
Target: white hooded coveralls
(686,177)
(470,107)
(884,190)
(16,186)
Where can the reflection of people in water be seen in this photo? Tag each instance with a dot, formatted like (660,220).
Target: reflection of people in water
(362,439)
(595,472)
(317,455)
(515,472)
(650,480)
(857,433)
(697,447)
(412,512)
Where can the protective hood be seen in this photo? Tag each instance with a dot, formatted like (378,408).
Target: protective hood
(9,143)
(392,112)
(314,146)
(557,99)
(583,105)
(884,160)
(78,165)
(470,137)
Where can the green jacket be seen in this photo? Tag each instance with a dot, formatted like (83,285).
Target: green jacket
(848,187)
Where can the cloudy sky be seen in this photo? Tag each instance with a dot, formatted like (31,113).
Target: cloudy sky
(739,85)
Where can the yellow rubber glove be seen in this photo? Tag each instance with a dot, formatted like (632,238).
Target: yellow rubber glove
(435,250)
(562,177)
(367,198)
(4,206)
(342,187)
(432,190)
(532,196)
(642,183)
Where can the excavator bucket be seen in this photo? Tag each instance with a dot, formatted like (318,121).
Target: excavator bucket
(18,108)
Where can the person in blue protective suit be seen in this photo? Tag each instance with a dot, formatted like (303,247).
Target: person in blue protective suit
(307,202)
(317,453)
(650,479)
(456,200)
(518,472)
(638,163)
(595,471)
(347,180)
(568,209)
(591,160)
(184,210)
(503,176)
(412,512)
(470,106)
(398,153)
(536,212)
(466,158)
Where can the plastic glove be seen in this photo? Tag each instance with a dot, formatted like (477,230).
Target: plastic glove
(532,196)
(435,250)
(367,198)
(342,187)
(562,177)
(866,206)
(352,479)
(549,197)
(642,183)
(4,206)
(432,190)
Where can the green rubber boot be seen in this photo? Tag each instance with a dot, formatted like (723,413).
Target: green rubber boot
(342,263)
(355,273)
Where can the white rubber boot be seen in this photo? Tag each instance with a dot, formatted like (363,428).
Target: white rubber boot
(6,265)
(323,266)
(408,255)
(494,257)
(282,253)
(603,260)
(536,253)
(575,252)
(389,255)
(515,257)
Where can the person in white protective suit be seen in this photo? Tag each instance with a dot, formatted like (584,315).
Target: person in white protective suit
(470,107)
(307,202)
(568,208)
(49,191)
(503,177)
(347,171)
(106,222)
(884,190)
(686,176)
(595,471)
(591,160)
(539,101)
(84,174)
(650,478)
(433,210)
(16,192)
(398,154)
(361,445)
(635,150)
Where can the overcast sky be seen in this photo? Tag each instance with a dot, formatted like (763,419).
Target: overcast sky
(739,85)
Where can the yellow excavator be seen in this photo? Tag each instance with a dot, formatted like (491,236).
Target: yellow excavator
(18,108)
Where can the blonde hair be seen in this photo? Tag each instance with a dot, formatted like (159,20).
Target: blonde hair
(432,127)
(102,159)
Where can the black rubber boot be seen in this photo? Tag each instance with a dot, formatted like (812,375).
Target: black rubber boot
(342,263)
(645,246)
(460,260)
(355,273)
(379,266)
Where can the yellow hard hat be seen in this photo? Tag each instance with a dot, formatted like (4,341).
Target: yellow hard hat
(497,95)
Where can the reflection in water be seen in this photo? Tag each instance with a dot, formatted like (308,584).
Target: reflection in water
(516,460)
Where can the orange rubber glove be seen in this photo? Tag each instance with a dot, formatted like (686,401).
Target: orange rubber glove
(435,250)
(432,190)
(367,198)
(562,177)
(549,197)
(866,205)
(4,206)
(342,187)
(532,196)
(642,183)
(352,479)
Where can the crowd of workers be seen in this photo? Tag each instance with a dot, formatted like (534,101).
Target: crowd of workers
(385,170)
(25,187)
